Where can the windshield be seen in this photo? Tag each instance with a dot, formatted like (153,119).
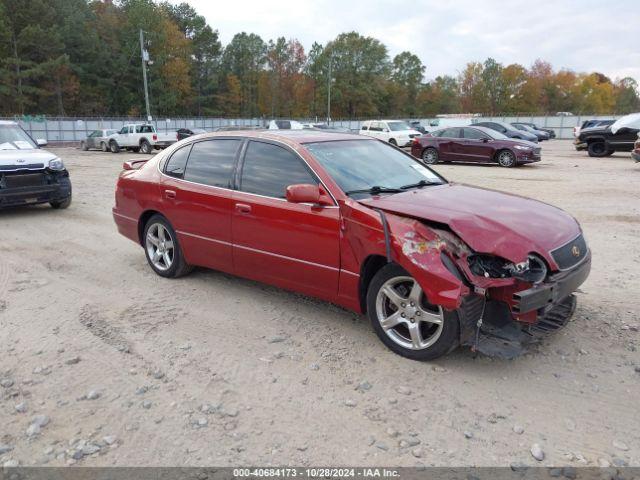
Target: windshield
(12,137)
(364,164)
(397,126)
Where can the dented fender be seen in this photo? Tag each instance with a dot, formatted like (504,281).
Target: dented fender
(419,249)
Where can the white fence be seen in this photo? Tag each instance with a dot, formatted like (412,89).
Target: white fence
(70,129)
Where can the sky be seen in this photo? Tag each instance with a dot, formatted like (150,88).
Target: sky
(579,35)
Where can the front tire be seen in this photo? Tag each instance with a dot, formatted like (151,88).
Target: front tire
(597,149)
(506,159)
(430,156)
(61,204)
(393,142)
(162,249)
(83,146)
(405,321)
(113,146)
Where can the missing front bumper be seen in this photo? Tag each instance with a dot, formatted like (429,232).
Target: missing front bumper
(503,337)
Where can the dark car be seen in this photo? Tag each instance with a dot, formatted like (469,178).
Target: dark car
(508,130)
(538,133)
(473,144)
(590,124)
(188,132)
(416,125)
(28,174)
(550,131)
(605,140)
(362,224)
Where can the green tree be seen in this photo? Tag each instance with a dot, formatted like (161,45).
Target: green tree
(244,58)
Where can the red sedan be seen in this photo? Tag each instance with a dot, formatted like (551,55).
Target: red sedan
(474,144)
(359,223)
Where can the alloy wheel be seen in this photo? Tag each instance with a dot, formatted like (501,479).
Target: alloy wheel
(430,156)
(160,246)
(506,158)
(405,315)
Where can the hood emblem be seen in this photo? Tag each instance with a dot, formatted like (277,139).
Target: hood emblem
(575,251)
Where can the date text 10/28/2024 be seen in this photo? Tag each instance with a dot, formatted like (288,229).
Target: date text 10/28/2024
(316,472)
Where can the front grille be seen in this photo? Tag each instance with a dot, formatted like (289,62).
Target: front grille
(571,253)
(30,166)
(414,135)
(25,180)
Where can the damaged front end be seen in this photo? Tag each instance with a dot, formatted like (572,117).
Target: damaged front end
(503,305)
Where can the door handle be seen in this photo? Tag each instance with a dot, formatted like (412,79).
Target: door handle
(243,208)
(170,194)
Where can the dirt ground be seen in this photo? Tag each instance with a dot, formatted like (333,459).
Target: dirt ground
(102,362)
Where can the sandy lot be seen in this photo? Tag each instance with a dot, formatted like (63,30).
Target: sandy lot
(117,366)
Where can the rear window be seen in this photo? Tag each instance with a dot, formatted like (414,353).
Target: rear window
(211,162)
(176,165)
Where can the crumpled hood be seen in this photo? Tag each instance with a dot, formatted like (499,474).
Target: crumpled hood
(488,221)
(30,156)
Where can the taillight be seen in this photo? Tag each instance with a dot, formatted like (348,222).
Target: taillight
(155,137)
(416,141)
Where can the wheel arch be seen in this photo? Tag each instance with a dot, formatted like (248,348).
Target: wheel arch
(144,139)
(142,222)
(370,266)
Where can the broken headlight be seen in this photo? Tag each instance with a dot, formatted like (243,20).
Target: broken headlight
(532,270)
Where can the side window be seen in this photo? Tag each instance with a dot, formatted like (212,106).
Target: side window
(365,127)
(451,133)
(211,162)
(177,163)
(124,130)
(473,134)
(268,170)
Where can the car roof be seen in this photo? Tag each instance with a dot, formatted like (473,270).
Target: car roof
(291,137)
(8,122)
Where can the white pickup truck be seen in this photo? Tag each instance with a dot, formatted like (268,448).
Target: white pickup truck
(140,138)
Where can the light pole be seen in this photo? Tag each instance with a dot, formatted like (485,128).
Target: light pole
(329,90)
(145,59)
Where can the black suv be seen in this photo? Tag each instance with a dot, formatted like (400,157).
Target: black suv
(601,141)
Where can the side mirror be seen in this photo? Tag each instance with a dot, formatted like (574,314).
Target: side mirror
(307,193)
(42,142)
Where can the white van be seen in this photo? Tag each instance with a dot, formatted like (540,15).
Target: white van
(396,132)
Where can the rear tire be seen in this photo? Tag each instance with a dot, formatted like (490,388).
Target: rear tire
(597,149)
(113,146)
(430,156)
(103,147)
(404,320)
(162,249)
(145,147)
